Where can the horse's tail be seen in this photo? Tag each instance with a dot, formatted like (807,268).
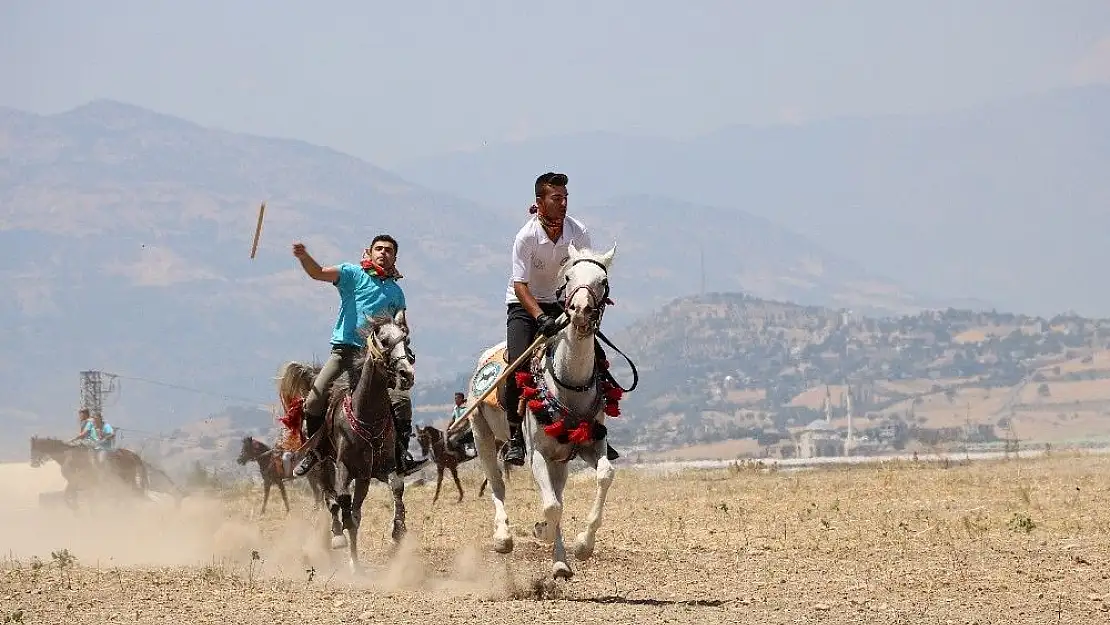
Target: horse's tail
(294,379)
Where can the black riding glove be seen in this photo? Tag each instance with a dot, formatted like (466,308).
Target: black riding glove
(548,326)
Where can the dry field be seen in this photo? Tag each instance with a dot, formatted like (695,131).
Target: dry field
(1024,541)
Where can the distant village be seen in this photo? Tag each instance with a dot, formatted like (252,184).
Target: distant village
(821,438)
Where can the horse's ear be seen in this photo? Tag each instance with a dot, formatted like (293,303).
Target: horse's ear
(607,258)
(401,319)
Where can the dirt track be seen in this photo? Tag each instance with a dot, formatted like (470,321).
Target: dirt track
(1019,542)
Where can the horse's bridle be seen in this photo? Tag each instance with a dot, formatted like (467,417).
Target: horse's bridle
(387,352)
(598,301)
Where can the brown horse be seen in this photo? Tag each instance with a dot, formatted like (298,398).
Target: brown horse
(432,443)
(81,470)
(272,470)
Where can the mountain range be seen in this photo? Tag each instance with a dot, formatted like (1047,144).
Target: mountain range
(127,237)
(1005,203)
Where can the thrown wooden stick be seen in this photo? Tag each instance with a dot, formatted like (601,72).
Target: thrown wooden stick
(258,229)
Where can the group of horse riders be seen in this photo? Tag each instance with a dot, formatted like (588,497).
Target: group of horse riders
(371,288)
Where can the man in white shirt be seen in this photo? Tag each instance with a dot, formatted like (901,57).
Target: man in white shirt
(539,251)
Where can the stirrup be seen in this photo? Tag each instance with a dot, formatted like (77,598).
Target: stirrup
(514,458)
(306,463)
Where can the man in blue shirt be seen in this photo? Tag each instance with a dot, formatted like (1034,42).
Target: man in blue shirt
(462,443)
(106,438)
(367,289)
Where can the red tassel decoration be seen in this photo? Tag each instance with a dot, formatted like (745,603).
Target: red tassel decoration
(529,392)
(612,410)
(555,429)
(523,378)
(613,393)
(581,434)
(535,405)
(294,415)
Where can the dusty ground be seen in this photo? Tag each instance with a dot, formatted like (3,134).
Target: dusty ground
(1024,541)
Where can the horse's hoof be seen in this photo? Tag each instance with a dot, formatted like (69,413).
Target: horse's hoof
(399,532)
(338,542)
(582,551)
(561,570)
(503,545)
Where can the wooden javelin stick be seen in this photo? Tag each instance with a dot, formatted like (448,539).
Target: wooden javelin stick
(511,368)
(258,229)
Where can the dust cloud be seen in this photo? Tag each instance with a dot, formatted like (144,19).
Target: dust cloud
(115,532)
(209,531)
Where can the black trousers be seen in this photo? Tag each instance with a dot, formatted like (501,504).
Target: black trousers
(521,329)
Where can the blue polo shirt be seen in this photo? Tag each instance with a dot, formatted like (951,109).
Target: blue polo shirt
(362,295)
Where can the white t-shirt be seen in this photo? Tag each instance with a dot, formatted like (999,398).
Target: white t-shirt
(536,260)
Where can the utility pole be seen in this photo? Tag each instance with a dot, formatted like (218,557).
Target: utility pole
(701,253)
(93,390)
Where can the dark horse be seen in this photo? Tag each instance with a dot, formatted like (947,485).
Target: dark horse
(81,471)
(432,443)
(357,441)
(273,472)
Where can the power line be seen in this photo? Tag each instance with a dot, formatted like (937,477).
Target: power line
(190,389)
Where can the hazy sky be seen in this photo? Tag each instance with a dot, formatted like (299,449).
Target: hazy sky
(388,82)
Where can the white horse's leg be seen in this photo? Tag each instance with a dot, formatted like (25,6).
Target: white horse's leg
(551,479)
(550,499)
(559,566)
(486,447)
(597,457)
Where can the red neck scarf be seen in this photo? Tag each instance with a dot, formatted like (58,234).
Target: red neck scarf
(373,268)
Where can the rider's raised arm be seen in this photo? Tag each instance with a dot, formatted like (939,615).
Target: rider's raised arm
(313,268)
(316,272)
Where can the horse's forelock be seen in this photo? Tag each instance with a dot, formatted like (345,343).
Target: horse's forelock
(579,267)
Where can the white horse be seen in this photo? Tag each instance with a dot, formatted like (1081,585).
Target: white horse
(569,396)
